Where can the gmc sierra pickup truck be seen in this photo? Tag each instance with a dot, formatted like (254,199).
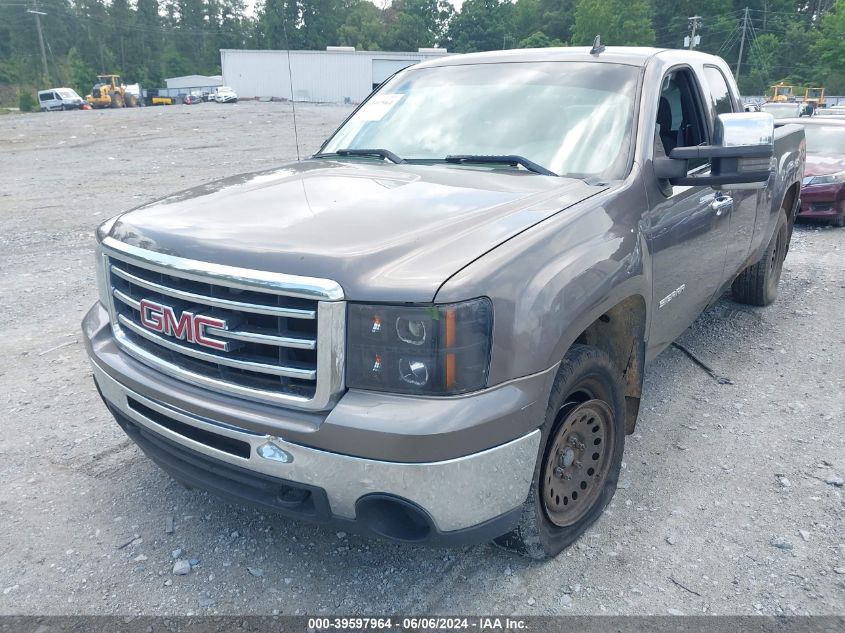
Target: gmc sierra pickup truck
(435,328)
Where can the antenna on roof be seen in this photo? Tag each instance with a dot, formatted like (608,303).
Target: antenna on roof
(290,83)
(598,47)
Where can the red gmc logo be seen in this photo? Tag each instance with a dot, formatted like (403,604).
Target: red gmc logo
(188,326)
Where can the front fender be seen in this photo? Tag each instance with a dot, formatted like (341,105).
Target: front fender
(552,281)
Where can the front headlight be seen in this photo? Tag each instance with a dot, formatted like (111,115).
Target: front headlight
(827,179)
(434,350)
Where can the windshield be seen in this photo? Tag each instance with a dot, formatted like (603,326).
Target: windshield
(825,139)
(572,118)
(68,94)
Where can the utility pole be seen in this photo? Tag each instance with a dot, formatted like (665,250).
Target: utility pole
(694,23)
(38,15)
(741,43)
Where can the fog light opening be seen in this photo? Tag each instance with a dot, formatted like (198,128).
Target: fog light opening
(394,518)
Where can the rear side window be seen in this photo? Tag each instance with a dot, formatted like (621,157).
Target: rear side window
(45,96)
(722,101)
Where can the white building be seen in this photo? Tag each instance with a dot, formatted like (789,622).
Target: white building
(338,74)
(194,81)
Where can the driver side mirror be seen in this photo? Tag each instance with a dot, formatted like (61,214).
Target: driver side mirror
(741,154)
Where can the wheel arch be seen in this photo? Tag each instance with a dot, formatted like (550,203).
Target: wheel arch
(618,329)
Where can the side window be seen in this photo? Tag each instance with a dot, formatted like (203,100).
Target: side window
(45,96)
(680,119)
(722,101)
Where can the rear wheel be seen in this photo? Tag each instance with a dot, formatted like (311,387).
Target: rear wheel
(577,469)
(758,284)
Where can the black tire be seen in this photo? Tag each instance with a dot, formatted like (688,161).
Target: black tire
(114,103)
(757,285)
(586,379)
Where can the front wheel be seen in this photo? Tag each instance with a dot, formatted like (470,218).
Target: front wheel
(583,438)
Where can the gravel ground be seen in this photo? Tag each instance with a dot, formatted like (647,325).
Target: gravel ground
(731,498)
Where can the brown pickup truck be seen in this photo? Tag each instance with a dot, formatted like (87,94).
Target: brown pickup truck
(435,329)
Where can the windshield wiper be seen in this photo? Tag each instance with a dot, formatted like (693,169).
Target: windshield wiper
(381,153)
(511,159)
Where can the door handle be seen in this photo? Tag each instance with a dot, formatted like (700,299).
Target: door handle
(722,204)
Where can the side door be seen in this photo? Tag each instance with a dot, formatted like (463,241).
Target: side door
(45,100)
(743,212)
(687,228)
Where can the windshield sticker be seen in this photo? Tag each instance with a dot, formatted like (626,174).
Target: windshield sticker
(378,106)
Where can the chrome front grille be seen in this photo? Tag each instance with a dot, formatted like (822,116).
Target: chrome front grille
(278,338)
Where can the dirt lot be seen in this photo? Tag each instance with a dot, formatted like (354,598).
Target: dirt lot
(731,498)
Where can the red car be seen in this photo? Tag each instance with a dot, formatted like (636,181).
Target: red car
(823,189)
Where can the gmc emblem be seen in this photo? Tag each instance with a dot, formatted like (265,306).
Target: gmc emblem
(188,326)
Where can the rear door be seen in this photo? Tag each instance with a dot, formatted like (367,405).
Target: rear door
(687,227)
(47,100)
(743,211)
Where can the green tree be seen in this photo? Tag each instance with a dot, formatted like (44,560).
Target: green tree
(538,39)
(763,65)
(557,18)
(829,50)
(618,22)
(80,76)
(481,25)
(362,27)
(149,41)
(26,102)
(415,23)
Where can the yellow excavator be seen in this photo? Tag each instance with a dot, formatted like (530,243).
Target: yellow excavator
(109,92)
(782,93)
(815,97)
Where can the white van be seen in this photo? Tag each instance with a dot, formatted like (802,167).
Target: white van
(59,99)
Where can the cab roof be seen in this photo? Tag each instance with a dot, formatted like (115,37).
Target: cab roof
(630,55)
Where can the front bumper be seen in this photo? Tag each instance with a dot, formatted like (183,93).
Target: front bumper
(822,201)
(468,497)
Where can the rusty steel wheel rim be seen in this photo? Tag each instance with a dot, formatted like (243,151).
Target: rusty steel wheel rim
(578,462)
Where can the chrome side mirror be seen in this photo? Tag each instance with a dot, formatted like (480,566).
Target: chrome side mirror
(740,156)
(748,142)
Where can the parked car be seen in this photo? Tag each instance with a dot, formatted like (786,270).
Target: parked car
(833,111)
(787,110)
(192,99)
(823,190)
(59,99)
(435,329)
(224,94)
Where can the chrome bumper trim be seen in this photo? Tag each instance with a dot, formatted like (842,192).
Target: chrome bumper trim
(247,279)
(457,493)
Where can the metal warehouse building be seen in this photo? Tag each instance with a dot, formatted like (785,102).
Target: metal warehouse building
(336,75)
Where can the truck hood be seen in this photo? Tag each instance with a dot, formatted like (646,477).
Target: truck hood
(824,164)
(384,232)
